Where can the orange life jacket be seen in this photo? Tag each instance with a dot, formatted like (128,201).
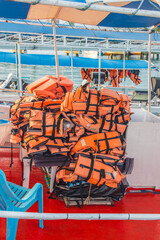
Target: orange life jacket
(50,83)
(120,75)
(101,142)
(86,74)
(113,76)
(36,150)
(122,118)
(109,101)
(45,94)
(16,135)
(66,173)
(32,141)
(67,103)
(94,170)
(57,145)
(43,104)
(125,102)
(87,107)
(134,77)
(100,125)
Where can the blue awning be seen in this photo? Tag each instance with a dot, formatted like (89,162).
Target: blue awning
(65,61)
(19,10)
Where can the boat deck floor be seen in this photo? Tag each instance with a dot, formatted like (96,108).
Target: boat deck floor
(76,229)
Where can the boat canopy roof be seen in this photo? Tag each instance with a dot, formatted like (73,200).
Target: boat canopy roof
(84,12)
(49,60)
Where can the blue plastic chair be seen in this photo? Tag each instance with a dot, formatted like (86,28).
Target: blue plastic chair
(16,198)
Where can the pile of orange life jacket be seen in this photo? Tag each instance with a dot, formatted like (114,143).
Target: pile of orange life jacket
(87,127)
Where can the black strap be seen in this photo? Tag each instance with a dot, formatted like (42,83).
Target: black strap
(91,168)
(54,126)
(59,122)
(107,143)
(22,173)
(11,155)
(93,118)
(81,192)
(88,103)
(101,175)
(98,102)
(111,121)
(64,89)
(103,122)
(44,123)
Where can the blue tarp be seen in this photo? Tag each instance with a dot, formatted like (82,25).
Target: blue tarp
(49,60)
(28,28)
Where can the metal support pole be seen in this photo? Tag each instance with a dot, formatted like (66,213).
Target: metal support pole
(149,72)
(124,65)
(42,39)
(19,69)
(72,64)
(99,70)
(16,60)
(56,54)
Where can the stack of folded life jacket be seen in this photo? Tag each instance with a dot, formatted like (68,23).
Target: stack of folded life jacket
(83,133)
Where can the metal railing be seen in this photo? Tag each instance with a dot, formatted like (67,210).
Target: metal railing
(46,41)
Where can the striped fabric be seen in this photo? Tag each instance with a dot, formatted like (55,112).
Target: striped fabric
(19,10)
